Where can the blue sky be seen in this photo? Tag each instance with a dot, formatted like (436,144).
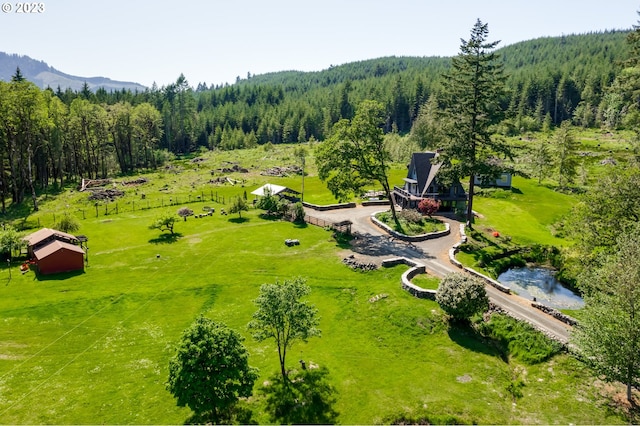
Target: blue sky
(217,40)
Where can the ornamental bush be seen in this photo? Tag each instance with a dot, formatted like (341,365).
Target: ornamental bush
(429,206)
(462,296)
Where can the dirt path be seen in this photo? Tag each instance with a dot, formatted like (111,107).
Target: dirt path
(372,244)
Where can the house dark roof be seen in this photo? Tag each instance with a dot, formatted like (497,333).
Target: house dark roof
(423,170)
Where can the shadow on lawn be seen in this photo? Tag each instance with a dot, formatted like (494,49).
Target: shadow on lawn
(57,277)
(166,238)
(240,414)
(382,245)
(467,337)
(306,397)
(239,219)
(300,224)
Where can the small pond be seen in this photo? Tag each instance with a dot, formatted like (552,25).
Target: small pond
(542,284)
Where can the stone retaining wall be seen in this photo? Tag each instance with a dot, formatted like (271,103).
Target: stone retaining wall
(415,269)
(547,310)
(409,238)
(452,258)
(376,203)
(329,206)
(556,314)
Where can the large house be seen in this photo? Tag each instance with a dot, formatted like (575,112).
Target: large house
(54,251)
(422,182)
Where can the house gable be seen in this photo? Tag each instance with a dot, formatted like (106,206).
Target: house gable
(422,182)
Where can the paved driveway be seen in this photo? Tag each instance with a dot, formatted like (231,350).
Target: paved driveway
(373,244)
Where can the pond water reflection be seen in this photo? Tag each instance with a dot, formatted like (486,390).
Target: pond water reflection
(542,284)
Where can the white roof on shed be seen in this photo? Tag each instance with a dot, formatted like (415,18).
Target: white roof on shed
(269,188)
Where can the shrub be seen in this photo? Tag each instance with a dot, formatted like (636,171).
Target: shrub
(462,296)
(273,204)
(67,223)
(411,216)
(296,211)
(429,206)
(519,339)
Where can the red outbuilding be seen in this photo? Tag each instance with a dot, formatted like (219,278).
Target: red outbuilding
(55,251)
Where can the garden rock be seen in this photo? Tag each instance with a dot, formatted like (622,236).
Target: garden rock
(355,264)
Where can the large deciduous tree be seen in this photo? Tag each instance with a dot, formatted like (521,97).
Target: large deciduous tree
(473,90)
(284,317)
(147,132)
(164,222)
(355,154)
(608,335)
(11,241)
(610,207)
(210,370)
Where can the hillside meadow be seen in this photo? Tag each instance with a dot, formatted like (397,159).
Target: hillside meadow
(94,347)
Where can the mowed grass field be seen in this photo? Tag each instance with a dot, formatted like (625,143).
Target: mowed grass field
(94,347)
(528,212)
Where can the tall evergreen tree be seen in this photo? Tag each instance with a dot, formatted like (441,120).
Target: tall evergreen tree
(473,90)
(17,77)
(565,146)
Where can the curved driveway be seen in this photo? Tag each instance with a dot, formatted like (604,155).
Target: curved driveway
(372,242)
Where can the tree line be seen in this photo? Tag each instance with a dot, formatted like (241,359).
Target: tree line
(53,137)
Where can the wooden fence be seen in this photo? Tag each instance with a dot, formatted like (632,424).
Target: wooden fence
(342,227)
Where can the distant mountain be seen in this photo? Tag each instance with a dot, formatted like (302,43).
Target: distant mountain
(44,76)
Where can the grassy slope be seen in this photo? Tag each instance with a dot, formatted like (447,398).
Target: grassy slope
(94,347)
(527,214)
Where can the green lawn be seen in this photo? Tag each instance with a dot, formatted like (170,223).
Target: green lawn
(94,347)
(527,213)
(426,281)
